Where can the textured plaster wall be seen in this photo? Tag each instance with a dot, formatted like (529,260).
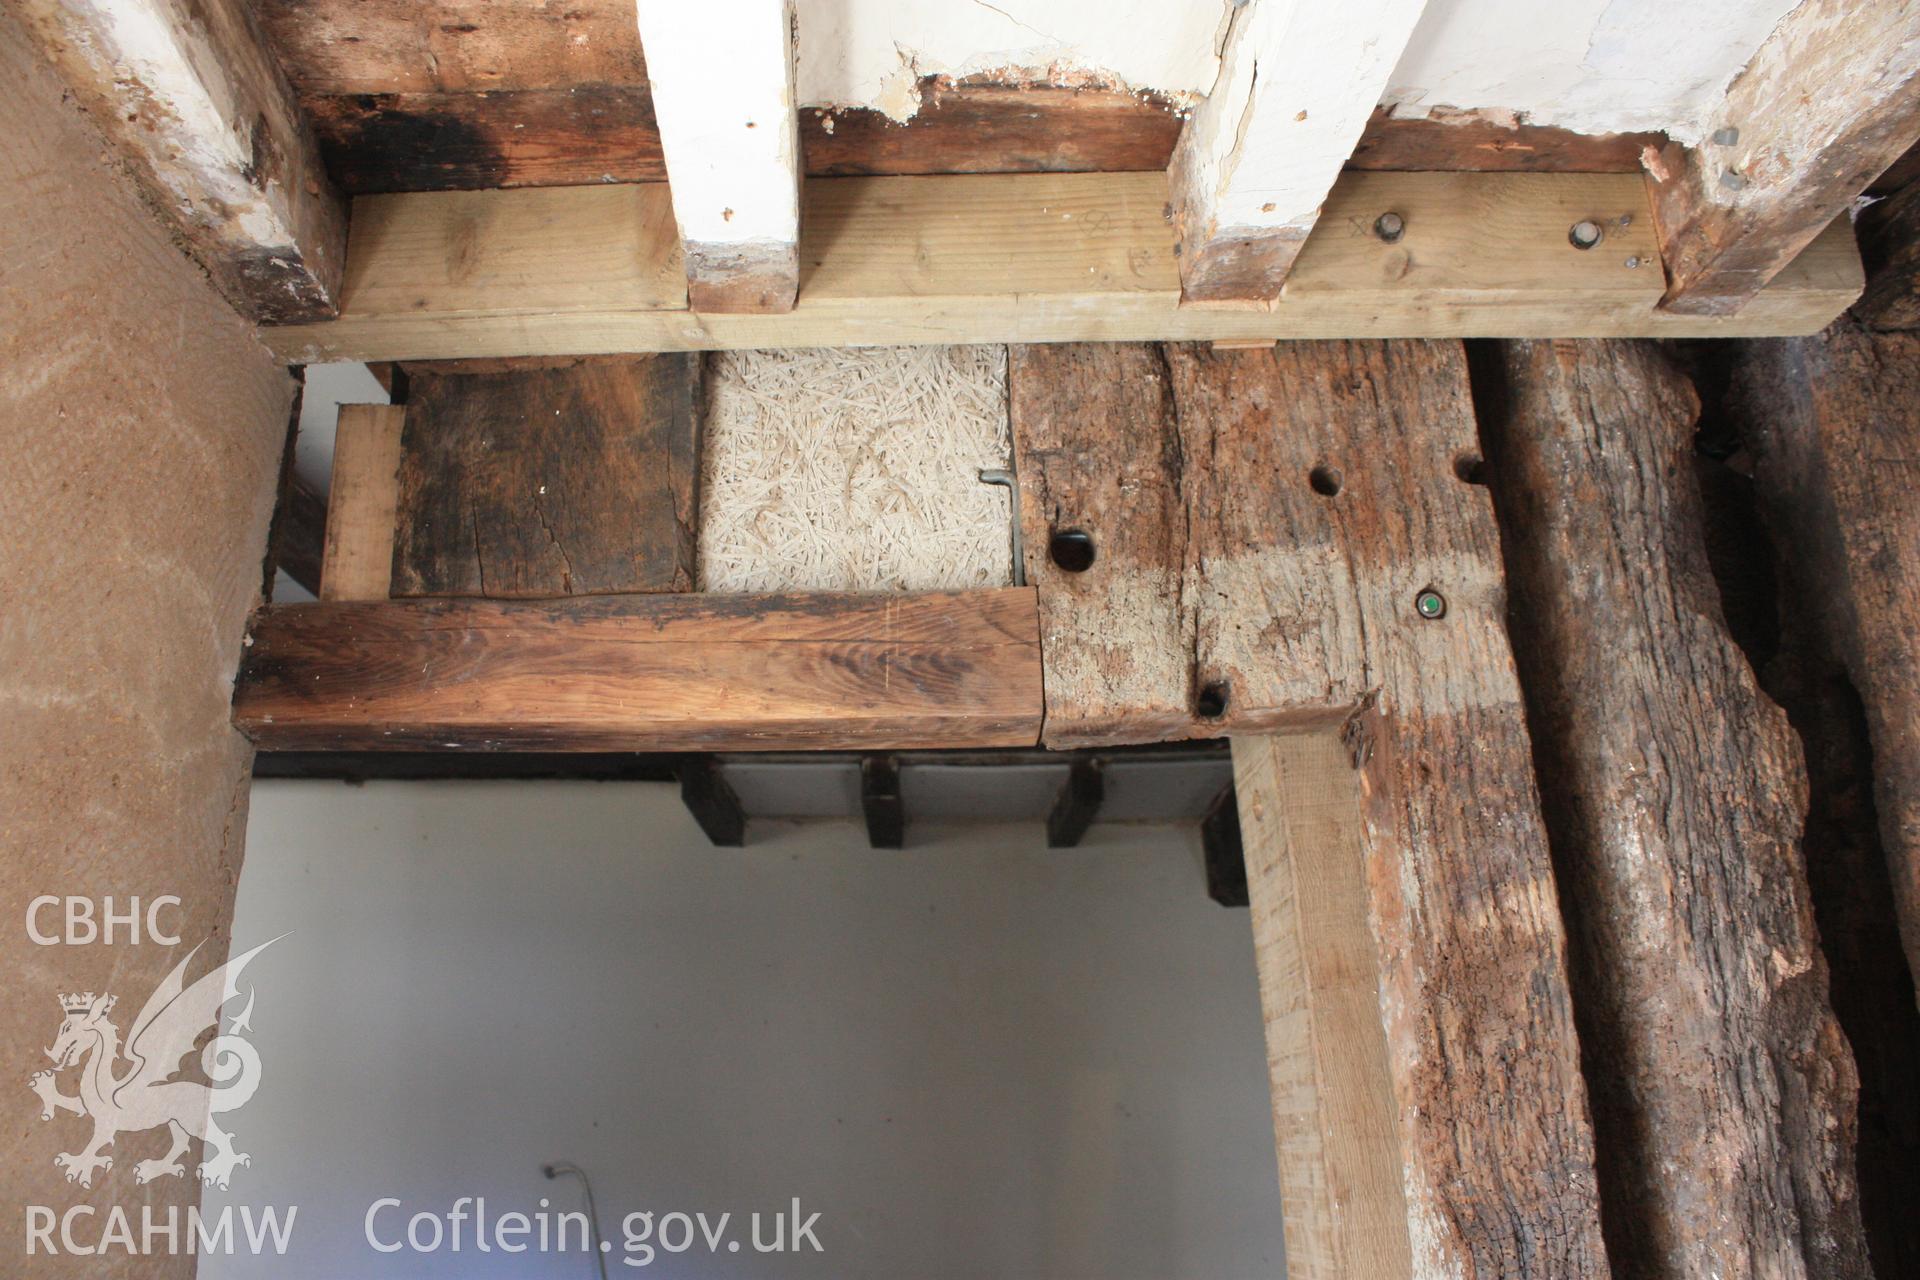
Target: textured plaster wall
(140,436)
(1594,66)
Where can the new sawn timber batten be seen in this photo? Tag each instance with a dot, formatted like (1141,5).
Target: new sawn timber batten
(1025,258)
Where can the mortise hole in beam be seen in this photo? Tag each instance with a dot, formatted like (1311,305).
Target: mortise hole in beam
(1211,703)
(1325,480)
(1470,467)
(1071,549)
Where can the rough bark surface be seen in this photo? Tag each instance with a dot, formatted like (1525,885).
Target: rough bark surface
(141,431)
(1835,422)
(566,477)
(1764,584)
(1675,794)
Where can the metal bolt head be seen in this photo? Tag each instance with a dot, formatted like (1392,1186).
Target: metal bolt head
(1390,226)
(1732,181)
(1726,137)
(1585,234)
(1633,262)
(1430,604)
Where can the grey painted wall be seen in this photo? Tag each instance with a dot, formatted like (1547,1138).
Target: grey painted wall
(975,1057)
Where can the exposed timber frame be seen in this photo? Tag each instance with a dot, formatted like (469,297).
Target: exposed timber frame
(1024,258)
(1830,100)
(1330,596)
(722,79)
(1675,800)
(195,104)
(660,672)
(1298,83)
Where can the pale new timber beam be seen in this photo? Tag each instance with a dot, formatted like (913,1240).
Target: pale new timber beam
(646,673)
(1675,797)
(722,77)
(362,502)
(1299,80)
(1835,424)
(1343,1206)
(1829,101)
(1022,258)
(191,99)
(1287,541)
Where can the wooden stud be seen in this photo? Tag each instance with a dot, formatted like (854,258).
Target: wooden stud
(1343,1203)
(1297,85)
(1828,102)
(1835,422)
(1022,258)
(1890,245)
(192,100)
(1675,796)
(646,672)
(558,477)
(363,502)
(722,78)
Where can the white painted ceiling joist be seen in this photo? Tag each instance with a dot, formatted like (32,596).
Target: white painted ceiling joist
(722,77)
(1298,80)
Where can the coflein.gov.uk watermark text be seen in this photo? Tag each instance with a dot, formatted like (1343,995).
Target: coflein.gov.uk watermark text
(466,1225)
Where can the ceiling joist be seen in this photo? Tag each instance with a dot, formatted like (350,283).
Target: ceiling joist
(1829,102)
(722,80)
(194,103)
(1298,82)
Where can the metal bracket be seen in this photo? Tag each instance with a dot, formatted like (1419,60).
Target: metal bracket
(1006,479)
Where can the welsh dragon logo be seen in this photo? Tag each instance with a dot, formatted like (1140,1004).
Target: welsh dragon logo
(145,1094)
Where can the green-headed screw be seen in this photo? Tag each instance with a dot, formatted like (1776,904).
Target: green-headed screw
(1430,604)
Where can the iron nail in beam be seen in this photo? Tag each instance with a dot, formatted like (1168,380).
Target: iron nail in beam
(1005,477)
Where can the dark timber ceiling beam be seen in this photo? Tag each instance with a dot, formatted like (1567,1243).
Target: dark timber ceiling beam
(646,673)
(1890,244)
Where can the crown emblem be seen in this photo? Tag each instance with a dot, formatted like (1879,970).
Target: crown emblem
(80,1003)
